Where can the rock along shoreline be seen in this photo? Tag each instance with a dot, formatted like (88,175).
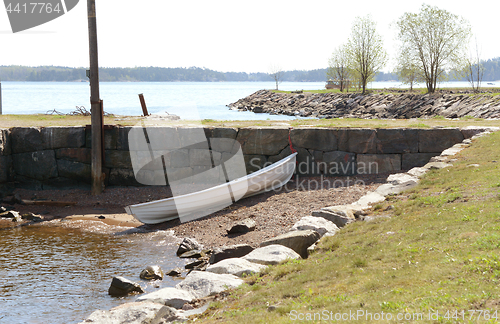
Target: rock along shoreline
(220,269)
(375,105)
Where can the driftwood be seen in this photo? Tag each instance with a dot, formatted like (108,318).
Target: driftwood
(48,203)
(79,111)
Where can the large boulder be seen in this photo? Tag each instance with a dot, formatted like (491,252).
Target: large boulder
(321,139)
(135,313)
(438,140)
(74,170)
(200,264)
(271,254)
(169,296)
(243,226)
(394,189)
(378,163)
(235,266)
(358,140)
(397,140)
(188,244)
(152,273)
(63,136)
(262,141)
(40,165)
(201,283)
(195,254)
(26,139)
(411,160)
(318,224)
(370,199)
(121,286)
(298,241)
(337,163)
(227,252)
(339,215)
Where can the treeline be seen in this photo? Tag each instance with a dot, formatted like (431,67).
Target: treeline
(158,74)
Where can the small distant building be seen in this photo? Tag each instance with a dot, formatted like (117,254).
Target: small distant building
(336,84)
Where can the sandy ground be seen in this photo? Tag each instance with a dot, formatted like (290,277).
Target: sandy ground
(273,212)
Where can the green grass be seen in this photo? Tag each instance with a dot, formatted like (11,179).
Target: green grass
(494,91)
(41,120)
(439,252)
(312,91)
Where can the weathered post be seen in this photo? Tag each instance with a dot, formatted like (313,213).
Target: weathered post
(143,105)
(95,104)
(0,97)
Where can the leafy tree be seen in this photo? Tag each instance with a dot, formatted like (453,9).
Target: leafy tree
(437,39)
(365,50)
(407,69)
(338,67)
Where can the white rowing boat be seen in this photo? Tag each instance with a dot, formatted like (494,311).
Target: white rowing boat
(201,203)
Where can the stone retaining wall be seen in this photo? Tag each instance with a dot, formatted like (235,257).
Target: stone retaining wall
(59,157)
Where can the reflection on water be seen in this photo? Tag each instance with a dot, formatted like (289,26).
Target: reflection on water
(60,272)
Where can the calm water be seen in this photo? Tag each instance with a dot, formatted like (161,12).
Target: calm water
(121,98)
(59,273)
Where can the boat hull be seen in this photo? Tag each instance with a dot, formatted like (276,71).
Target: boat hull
(194,205)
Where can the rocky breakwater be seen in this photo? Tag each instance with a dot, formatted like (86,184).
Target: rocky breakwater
(356,105)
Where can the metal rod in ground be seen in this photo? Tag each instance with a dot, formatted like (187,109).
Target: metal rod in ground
(95,103)
(143,105)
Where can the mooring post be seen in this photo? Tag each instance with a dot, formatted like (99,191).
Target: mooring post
(95,104)
(143,105)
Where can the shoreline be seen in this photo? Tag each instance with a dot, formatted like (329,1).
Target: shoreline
(274,212)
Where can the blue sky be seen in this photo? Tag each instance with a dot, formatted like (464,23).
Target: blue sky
(222,35)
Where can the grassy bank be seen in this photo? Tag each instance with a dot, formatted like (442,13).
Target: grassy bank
(41,120)
(439,252)
(491,91)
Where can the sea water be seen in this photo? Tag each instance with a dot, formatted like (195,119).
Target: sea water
(121,98)
(59,272)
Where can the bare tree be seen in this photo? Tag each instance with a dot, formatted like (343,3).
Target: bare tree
(276,72)
(338,67)
(366,50)
(437,39)
(407,69)
(474,70)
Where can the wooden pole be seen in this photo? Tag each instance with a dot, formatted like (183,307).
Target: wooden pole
(95,103)
(143,105)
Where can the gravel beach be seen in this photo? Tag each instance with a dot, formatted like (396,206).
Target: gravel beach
(274,212)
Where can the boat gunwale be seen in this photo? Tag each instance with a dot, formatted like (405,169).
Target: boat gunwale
(245,178)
